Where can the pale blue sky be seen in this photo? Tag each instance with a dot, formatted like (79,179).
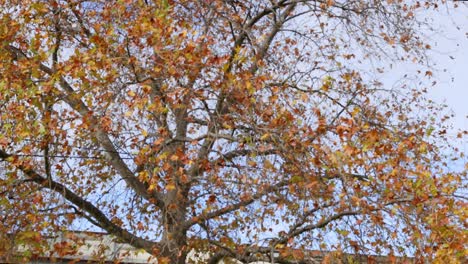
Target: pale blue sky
(450,53)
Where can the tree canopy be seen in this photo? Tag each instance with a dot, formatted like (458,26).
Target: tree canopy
(252,130)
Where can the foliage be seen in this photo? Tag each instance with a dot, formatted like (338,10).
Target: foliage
(241,128)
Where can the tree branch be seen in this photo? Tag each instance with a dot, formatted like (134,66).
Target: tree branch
(111,154)
(83,204)
(298,231)
(233,207)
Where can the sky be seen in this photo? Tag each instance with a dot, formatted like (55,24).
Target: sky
(450,54)
(450,57)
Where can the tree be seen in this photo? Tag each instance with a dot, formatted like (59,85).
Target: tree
(239,128)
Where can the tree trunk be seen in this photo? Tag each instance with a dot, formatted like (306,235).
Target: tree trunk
(174,239)
(174,248)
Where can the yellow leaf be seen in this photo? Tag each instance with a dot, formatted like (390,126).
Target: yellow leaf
(143,175)
(265,136)
(131,93)
(356,111)
(279,246)
(170,187)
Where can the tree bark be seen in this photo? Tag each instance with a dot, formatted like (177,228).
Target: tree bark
(174,239)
